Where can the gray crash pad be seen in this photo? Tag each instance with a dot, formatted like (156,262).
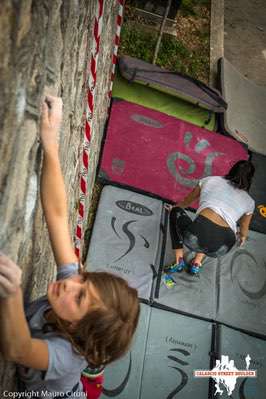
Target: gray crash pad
(174,83)
(242,286)
(126,237)
(245,117)
(123,378)
(131,238)
(163,358)
(176,346)
(192,295)
(230,289)
(168,345)
(237,346)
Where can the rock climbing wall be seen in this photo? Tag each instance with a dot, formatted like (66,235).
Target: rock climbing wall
(45,48)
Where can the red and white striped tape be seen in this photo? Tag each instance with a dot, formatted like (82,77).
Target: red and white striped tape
(119,20)
(90,108)
(91,83)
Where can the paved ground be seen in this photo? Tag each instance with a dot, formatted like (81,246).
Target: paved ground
(245,37)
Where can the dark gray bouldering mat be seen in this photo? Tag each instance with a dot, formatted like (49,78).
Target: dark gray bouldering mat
(126,237)
(173,83)
(230,289)
(176,346)
(237,346)
(123,378)
(258,193)
(193,295)
(168,347)
(131,238)
(242,286)
(245,117)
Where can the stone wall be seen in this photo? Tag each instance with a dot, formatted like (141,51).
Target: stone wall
(44,47)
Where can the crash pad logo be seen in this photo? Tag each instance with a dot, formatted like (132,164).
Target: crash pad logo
(144,120)
(262,210)
(183,175)
(129,234)
(133,207)
(118,166)
(225,374)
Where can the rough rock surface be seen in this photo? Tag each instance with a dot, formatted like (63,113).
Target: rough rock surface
(44,47)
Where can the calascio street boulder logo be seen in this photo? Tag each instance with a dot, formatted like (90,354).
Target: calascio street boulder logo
(225,374)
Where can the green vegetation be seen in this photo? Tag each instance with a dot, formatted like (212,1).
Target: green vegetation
(173,54)
(190,7)
(141,44)
(187,53)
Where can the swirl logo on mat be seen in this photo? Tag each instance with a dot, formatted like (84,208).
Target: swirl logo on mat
(111,393)
(244,262)
(133,207)
(182,175)
(144,120)
(129,234)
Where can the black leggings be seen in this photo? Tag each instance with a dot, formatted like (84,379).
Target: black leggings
(200,235)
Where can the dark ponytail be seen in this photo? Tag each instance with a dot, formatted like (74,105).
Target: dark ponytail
(241,174)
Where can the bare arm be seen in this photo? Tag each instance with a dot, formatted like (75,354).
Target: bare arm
(191,197)
(244,223)
(16,342)
(15,339)
(53,194)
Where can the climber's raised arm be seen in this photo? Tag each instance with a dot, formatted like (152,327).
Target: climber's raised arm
(53,194)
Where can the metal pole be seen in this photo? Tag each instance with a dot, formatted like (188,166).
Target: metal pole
(161,31)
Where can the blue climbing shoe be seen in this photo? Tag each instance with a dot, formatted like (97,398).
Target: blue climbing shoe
(176,267)
(168,280)
(194,268)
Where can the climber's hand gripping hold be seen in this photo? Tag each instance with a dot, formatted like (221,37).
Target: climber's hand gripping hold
(51,117)
(10,277)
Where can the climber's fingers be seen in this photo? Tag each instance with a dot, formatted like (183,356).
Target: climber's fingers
(10,276)
(44,114)
(55,106)
(51,120)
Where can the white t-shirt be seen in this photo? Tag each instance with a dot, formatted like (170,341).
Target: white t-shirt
(223,198)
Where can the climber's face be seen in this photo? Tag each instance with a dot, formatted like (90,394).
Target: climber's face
(72,297)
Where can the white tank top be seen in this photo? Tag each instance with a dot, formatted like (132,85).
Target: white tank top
(223,198)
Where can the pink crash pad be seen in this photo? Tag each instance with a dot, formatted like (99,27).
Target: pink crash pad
(162,155)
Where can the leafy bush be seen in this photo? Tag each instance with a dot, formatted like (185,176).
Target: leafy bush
(173,55)
(188,7)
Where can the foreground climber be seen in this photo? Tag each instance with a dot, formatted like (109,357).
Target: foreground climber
(86,318)
(223,202)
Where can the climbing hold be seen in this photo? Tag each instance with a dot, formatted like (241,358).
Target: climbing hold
(262,210)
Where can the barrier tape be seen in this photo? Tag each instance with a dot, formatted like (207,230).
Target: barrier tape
(91,83)
(119,20)
(90,109)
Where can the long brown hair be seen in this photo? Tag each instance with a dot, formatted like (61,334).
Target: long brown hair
(105,333)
